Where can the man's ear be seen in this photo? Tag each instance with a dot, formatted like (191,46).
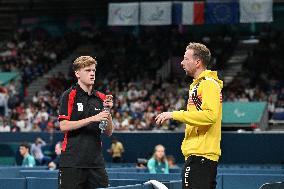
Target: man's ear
(77,74)
(197,63)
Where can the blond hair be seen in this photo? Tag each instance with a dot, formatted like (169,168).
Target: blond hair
(83,61)
(156,149)
(200,51)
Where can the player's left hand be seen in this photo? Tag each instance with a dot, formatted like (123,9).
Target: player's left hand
(108,102)
(162,117)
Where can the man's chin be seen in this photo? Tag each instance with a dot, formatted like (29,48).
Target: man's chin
(91,83)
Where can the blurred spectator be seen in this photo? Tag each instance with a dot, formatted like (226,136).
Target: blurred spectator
(36,151)
(28,160)
(116,151)
(14,127)
(4,126)
(158,163)
(172,162)
(54,164)
(3,102)
(141,163)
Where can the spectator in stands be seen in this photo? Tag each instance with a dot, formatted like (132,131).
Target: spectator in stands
(158,163)
(141,163)
(117,120)
(54,164)
(14,127)
(4,126)
(3,102)
(36,151)
(172,161)
(149,117)
(28,160)
(116,151)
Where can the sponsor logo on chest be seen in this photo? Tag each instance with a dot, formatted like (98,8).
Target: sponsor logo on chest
(80,107)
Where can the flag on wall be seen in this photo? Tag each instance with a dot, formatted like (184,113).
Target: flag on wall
(123,14)
(155,13)
(192,13)
(256,11)
(222,12)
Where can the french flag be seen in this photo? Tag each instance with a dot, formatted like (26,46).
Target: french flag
(188,13)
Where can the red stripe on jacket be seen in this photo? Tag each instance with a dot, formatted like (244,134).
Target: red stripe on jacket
(71,99)
(102,96)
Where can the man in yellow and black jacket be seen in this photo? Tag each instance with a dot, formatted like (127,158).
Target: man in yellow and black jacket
(201,144)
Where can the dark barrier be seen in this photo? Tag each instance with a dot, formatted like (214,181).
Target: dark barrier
(17,183)
(145,176)
(236,147)
(128,170)
(124,182)
(48,180)
(236,181)
(137,186)
(137,170)
(14,172)
(39,173)
(42,183)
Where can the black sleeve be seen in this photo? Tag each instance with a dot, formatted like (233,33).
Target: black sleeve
(63,108)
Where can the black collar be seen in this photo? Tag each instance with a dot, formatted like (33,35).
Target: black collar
(81,92)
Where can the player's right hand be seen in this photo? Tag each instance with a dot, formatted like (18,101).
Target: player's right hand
(102,116)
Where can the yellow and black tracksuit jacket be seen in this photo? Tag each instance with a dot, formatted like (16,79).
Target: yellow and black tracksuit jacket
(203,117)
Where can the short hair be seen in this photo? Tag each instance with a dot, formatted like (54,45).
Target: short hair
(200,51)
(171,157)
(83,61)
(25,144)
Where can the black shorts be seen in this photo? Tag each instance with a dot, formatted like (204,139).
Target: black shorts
(82,178)
(199,173)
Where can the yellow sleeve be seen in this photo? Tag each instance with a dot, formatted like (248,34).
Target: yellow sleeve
(210,107)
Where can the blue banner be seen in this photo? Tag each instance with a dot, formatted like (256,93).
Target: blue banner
(222,12)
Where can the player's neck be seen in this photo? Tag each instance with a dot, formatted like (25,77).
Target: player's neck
(198,72)
(86,88)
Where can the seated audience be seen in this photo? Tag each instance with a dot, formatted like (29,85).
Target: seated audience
(158,163)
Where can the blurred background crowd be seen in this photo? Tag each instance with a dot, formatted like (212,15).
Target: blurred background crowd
(129,67)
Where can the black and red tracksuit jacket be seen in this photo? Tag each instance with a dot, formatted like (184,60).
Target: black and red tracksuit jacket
(81,148)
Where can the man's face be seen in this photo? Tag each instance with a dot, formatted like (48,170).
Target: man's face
(23,150)
(189,63)
(87,75)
